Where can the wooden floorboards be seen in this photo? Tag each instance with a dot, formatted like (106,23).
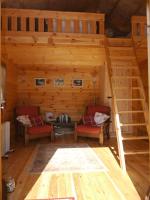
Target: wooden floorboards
(89,186)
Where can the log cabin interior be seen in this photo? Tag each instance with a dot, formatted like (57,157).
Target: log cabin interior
(62,57)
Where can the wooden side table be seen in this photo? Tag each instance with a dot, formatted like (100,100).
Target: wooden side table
(59,126)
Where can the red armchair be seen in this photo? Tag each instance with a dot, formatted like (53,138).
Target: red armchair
(37,128)
(90,129)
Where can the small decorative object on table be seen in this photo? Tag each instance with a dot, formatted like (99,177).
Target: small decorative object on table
(49,117)
(63,118)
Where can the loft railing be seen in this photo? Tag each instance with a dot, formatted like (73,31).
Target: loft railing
(23,20)
(139,26)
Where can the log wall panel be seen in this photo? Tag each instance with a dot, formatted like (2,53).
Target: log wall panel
(11,91)
(56,55)
(67,98)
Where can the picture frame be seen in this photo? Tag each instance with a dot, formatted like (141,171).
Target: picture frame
(59,82)
(40,82)
(77,83)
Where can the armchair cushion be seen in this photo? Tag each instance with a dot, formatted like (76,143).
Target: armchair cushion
(100,118)
(88,120)
(40,130)
(85,129)
(92,109)
(37,121)
(24,119)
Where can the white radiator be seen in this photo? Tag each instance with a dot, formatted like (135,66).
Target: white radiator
(5,137)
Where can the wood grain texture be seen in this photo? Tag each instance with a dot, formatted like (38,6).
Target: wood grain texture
(56,55)
(59,99)
(83,186)
(10,91)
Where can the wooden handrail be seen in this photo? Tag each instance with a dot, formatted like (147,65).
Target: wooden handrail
(17,20)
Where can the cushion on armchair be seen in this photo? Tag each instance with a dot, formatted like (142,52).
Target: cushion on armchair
(88,120)
(37,121)
(24,119)
(40,129)
(84,129)
(92,109)
(100,118)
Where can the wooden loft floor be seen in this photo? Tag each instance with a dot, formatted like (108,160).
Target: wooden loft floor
(137,169)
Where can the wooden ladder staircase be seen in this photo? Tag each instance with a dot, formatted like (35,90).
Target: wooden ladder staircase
(130,110)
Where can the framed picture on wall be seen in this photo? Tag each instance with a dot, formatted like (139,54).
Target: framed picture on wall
(59,82)
(40,81)
(77,83)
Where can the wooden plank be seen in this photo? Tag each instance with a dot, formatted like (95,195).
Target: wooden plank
(14,23)
(135,137)
(68,184)
(59,98)
(11,92)
(67,26)
(134,29)
(32,24)
(93,26)
(41,25)
(123,99)
(50,24)
(143,25)
(134,124)
(76,26)
(120,42)
(59,25)
(136,153)
(101,27)
(84,26)
(131,111)
(52,14)
(136,19)
(23,23)
(4,23)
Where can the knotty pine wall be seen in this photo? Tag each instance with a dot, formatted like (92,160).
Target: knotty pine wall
(66,98)
(10,91)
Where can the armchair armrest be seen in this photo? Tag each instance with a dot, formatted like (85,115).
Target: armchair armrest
(105,127)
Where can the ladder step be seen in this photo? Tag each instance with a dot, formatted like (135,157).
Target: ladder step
(135,137)
(138,99)
(122,58)
(133,124)
(131,111)
(127,87)
(135,152)
(126,77)
(122,67)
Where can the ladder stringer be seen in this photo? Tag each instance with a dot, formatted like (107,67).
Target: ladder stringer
(115,111)
(144,104)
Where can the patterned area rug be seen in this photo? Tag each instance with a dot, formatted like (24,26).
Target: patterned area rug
(65,158)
